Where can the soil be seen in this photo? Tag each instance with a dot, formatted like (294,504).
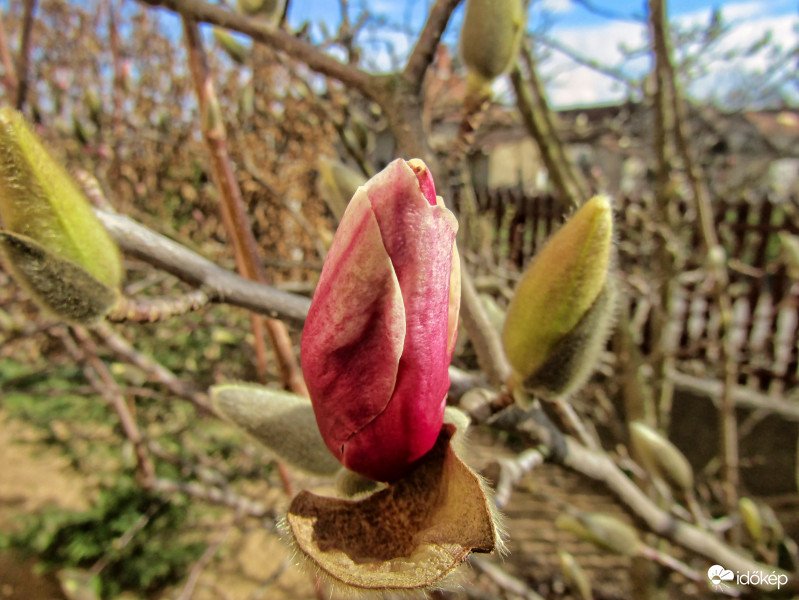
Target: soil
(253,564)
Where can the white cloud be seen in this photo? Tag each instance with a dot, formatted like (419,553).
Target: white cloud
(557,6)
(728,70)
(570,83)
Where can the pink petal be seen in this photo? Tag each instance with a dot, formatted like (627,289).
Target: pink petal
(355,329)
(419,240)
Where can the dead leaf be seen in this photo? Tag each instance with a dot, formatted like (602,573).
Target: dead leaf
(409,535)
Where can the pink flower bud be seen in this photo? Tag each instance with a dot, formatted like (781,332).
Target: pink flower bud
(382,325)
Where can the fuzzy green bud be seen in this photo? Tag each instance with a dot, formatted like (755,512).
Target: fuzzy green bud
(602,530)
(489,39)
(95,106)
(750,515)
(52,241)
(350,484)
(575,575)
(281,421)
(337,184)
(237,51)
(661,456)
(563,307)
(271,10)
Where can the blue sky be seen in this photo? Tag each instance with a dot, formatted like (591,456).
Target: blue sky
(391,32)
(595,36)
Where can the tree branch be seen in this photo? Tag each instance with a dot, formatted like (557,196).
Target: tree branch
(274,38)
(234,212)
(220,284)
(424,51)
(597,465)
(540,125)
(484,336)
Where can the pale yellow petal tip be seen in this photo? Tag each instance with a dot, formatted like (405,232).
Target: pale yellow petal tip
(417,164)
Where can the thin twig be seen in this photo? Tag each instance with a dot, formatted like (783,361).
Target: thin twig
(234,212)
(484,336)
(504,580)
(202,562)
(572,421)
(117,96)
(672,563)
(9,70)
(540,123)
(223,497)
(154,369)
(105,384)
(597,465)
(23,60)
(742,397)
(157,309)
(727,416)
(511,470)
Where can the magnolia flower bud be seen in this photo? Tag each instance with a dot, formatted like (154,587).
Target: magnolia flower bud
(490,37)
(382,324)
(51,240)
(561,312)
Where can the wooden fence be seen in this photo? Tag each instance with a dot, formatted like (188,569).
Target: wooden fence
(765,327)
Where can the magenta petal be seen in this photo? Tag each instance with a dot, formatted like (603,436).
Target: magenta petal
(355,330)
(419,240)
(425,178)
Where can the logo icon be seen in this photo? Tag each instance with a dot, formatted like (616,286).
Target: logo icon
(718,574)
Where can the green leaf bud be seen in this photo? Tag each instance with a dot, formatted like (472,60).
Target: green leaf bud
(95,106)
(350,484)
(575,575)
(81,132)
(602,530)
(490,38)
(661,456)
(337,184)
(271,10)
(48,225)
(281,421)
(237,51)
(789,253)
(563,307)
(752,520)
